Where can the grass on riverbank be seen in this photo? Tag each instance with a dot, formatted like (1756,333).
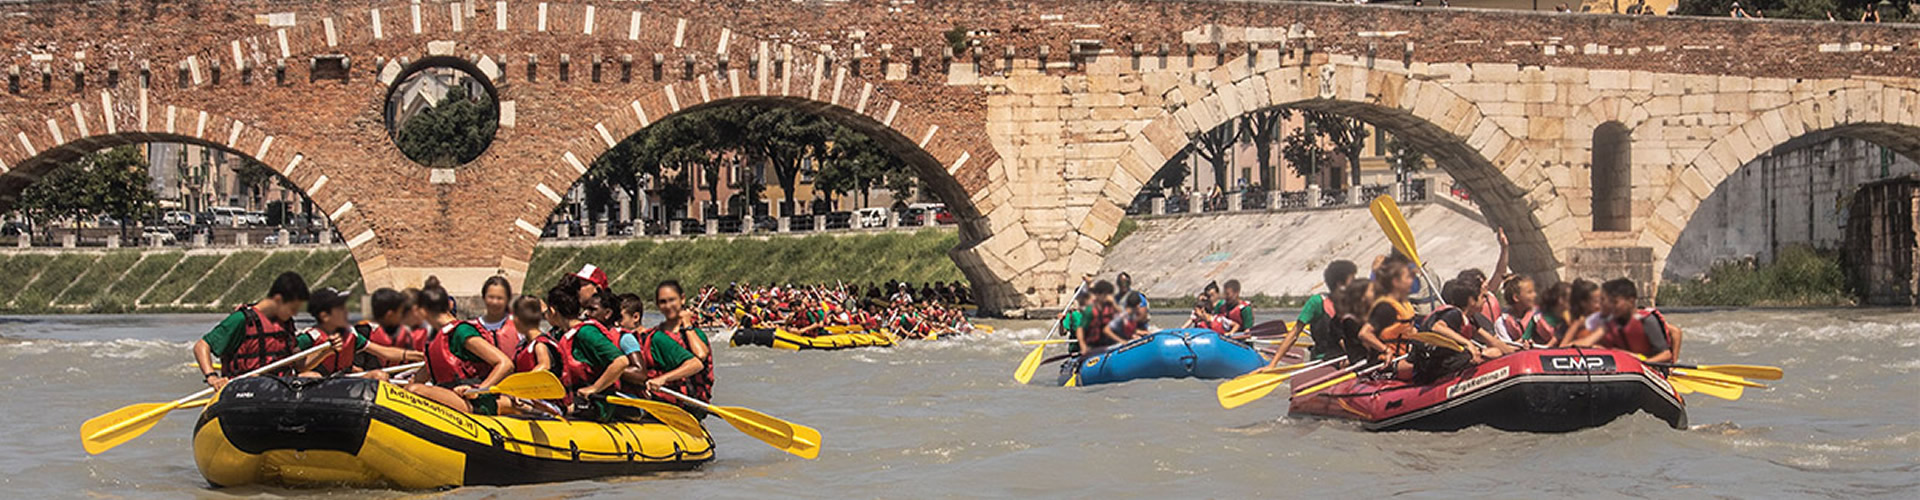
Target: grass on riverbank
(636,266)
(1798,277)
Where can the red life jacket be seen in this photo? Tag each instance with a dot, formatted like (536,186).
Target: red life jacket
(446,369)
(1226,321)
(1632,337)
(575,373)
(261,343)
(412,339)
(338,361)
(1517,327)
(526,356)
(699,385)
(1097,318)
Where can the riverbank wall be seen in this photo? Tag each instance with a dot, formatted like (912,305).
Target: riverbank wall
(1283,254)
(148,280)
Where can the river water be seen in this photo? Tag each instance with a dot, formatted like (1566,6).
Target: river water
(945,419)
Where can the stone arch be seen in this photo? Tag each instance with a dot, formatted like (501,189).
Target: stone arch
(1612,177)
(1477,150)
(953,162)
(34,150)
(1879,113)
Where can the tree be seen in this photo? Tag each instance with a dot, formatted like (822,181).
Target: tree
(857,163)
(112,182)
(1347,137)
(785,138)
(123,188)
(1308,155)
(1263,129)
(452,132)
(253,178)
(1216,147)
(1174,172)
(1404,158)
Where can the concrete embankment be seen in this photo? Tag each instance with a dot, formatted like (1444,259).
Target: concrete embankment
(68,281)
(1283,253)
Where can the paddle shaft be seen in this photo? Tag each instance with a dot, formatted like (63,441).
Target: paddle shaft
(283,362)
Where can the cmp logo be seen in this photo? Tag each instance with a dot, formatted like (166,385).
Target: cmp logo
(1601,364)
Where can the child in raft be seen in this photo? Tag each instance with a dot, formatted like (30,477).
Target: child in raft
(1316,317)
(328,306)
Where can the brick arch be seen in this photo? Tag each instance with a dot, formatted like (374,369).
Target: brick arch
(1475,150)
(1881,114)
(36,144)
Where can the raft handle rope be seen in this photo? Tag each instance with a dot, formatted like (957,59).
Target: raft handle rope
(573,448)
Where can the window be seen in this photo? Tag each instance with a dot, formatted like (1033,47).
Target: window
(1612,178)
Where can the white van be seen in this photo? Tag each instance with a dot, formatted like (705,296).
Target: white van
(227,216)
(870,217)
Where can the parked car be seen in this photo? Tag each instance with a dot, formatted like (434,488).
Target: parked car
(13,228)
(254,218)
(227,216)
(160,235)
(178,218)
(690,225)
(871,217)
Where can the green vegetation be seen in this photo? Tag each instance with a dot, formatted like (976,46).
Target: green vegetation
(697,145)
(111,182)
(636,266)
(97,277)
(141,277)
(1798,277)
(183,276)
(1120,232)
(452,132)
(59,274)
(114,281)
(246,286)
(17,270)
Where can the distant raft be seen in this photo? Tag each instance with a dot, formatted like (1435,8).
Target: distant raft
(1538,390)
(779,338)
(371,434)
(1176,353)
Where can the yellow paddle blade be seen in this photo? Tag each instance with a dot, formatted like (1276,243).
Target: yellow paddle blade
(800,440)
(1719,378)
(1047,341)
(1073,382)
(669,414)
(1748,371)
(104,432)
(195,403)
(1680,386)
(1028,366)
(1437,340)
(1253,386)
(531,385)
(1728,392)
(1387,213)
(1324,385)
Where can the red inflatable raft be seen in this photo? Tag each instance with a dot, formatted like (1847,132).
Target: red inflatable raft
(1540,390)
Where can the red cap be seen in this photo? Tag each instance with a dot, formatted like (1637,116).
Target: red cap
(594,275)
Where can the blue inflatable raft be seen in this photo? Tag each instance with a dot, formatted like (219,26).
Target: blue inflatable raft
(1177,353)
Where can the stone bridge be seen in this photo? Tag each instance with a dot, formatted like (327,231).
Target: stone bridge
(1590,138)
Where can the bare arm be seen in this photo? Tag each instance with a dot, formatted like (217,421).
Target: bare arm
(502,366)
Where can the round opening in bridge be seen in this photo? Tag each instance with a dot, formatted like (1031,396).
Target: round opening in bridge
(442,112)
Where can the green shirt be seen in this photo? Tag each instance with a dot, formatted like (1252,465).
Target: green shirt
(224,336)
(1315,310)
(1533,335)
(667,354)
(590,346)
(457,342)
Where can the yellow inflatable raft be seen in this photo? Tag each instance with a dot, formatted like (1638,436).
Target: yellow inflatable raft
(367,433)
(781,339)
